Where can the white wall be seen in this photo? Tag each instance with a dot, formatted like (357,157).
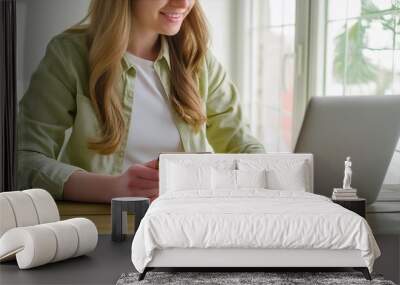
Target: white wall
(219,15)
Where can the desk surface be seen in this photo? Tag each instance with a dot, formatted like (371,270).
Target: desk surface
(102,266)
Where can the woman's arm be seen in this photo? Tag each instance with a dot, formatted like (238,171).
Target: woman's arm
(46,111)
(139,180)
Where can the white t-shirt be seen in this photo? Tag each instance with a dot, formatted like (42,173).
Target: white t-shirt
(152,129)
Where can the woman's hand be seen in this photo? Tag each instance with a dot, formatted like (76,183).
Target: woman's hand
(139,180)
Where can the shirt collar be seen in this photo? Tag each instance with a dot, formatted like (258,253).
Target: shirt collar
(163,55)
(164,52)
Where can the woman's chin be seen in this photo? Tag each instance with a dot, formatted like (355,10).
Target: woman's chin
(170,32)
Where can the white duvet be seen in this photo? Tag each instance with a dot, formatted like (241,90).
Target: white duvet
(250,218)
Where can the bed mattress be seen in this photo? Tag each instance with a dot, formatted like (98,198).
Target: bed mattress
(250,219)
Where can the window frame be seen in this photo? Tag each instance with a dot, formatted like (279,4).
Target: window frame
(303,50)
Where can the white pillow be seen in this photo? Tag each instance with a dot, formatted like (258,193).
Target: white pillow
(224,179)
(282,174)
(293,178)
(228,179)
(188,177)
(251,178)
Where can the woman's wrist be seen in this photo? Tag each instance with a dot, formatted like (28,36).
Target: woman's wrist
(90,187)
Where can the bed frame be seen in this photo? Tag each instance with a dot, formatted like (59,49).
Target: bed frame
(246,259)
(242,259)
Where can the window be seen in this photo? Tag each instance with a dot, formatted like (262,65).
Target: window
(358,53)
(354,49)
(363,47)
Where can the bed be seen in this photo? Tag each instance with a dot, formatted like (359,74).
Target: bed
(247,210)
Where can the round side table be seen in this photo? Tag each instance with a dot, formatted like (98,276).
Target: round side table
(120,207)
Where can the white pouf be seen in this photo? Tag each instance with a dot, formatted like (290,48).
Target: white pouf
(31,230)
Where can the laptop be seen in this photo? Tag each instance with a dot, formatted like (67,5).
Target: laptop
(366,128)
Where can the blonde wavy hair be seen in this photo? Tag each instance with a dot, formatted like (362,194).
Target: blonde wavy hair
(108,28)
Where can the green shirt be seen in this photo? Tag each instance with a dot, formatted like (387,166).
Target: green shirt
(57,100)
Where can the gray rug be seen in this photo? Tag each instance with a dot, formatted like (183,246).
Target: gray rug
(269,278)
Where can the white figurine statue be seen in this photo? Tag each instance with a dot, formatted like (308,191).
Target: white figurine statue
(347,174)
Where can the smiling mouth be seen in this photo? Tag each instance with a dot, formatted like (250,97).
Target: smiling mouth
(173,17)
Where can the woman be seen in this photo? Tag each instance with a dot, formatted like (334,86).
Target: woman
(137,80)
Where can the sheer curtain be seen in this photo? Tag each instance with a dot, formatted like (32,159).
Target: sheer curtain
(269,78)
